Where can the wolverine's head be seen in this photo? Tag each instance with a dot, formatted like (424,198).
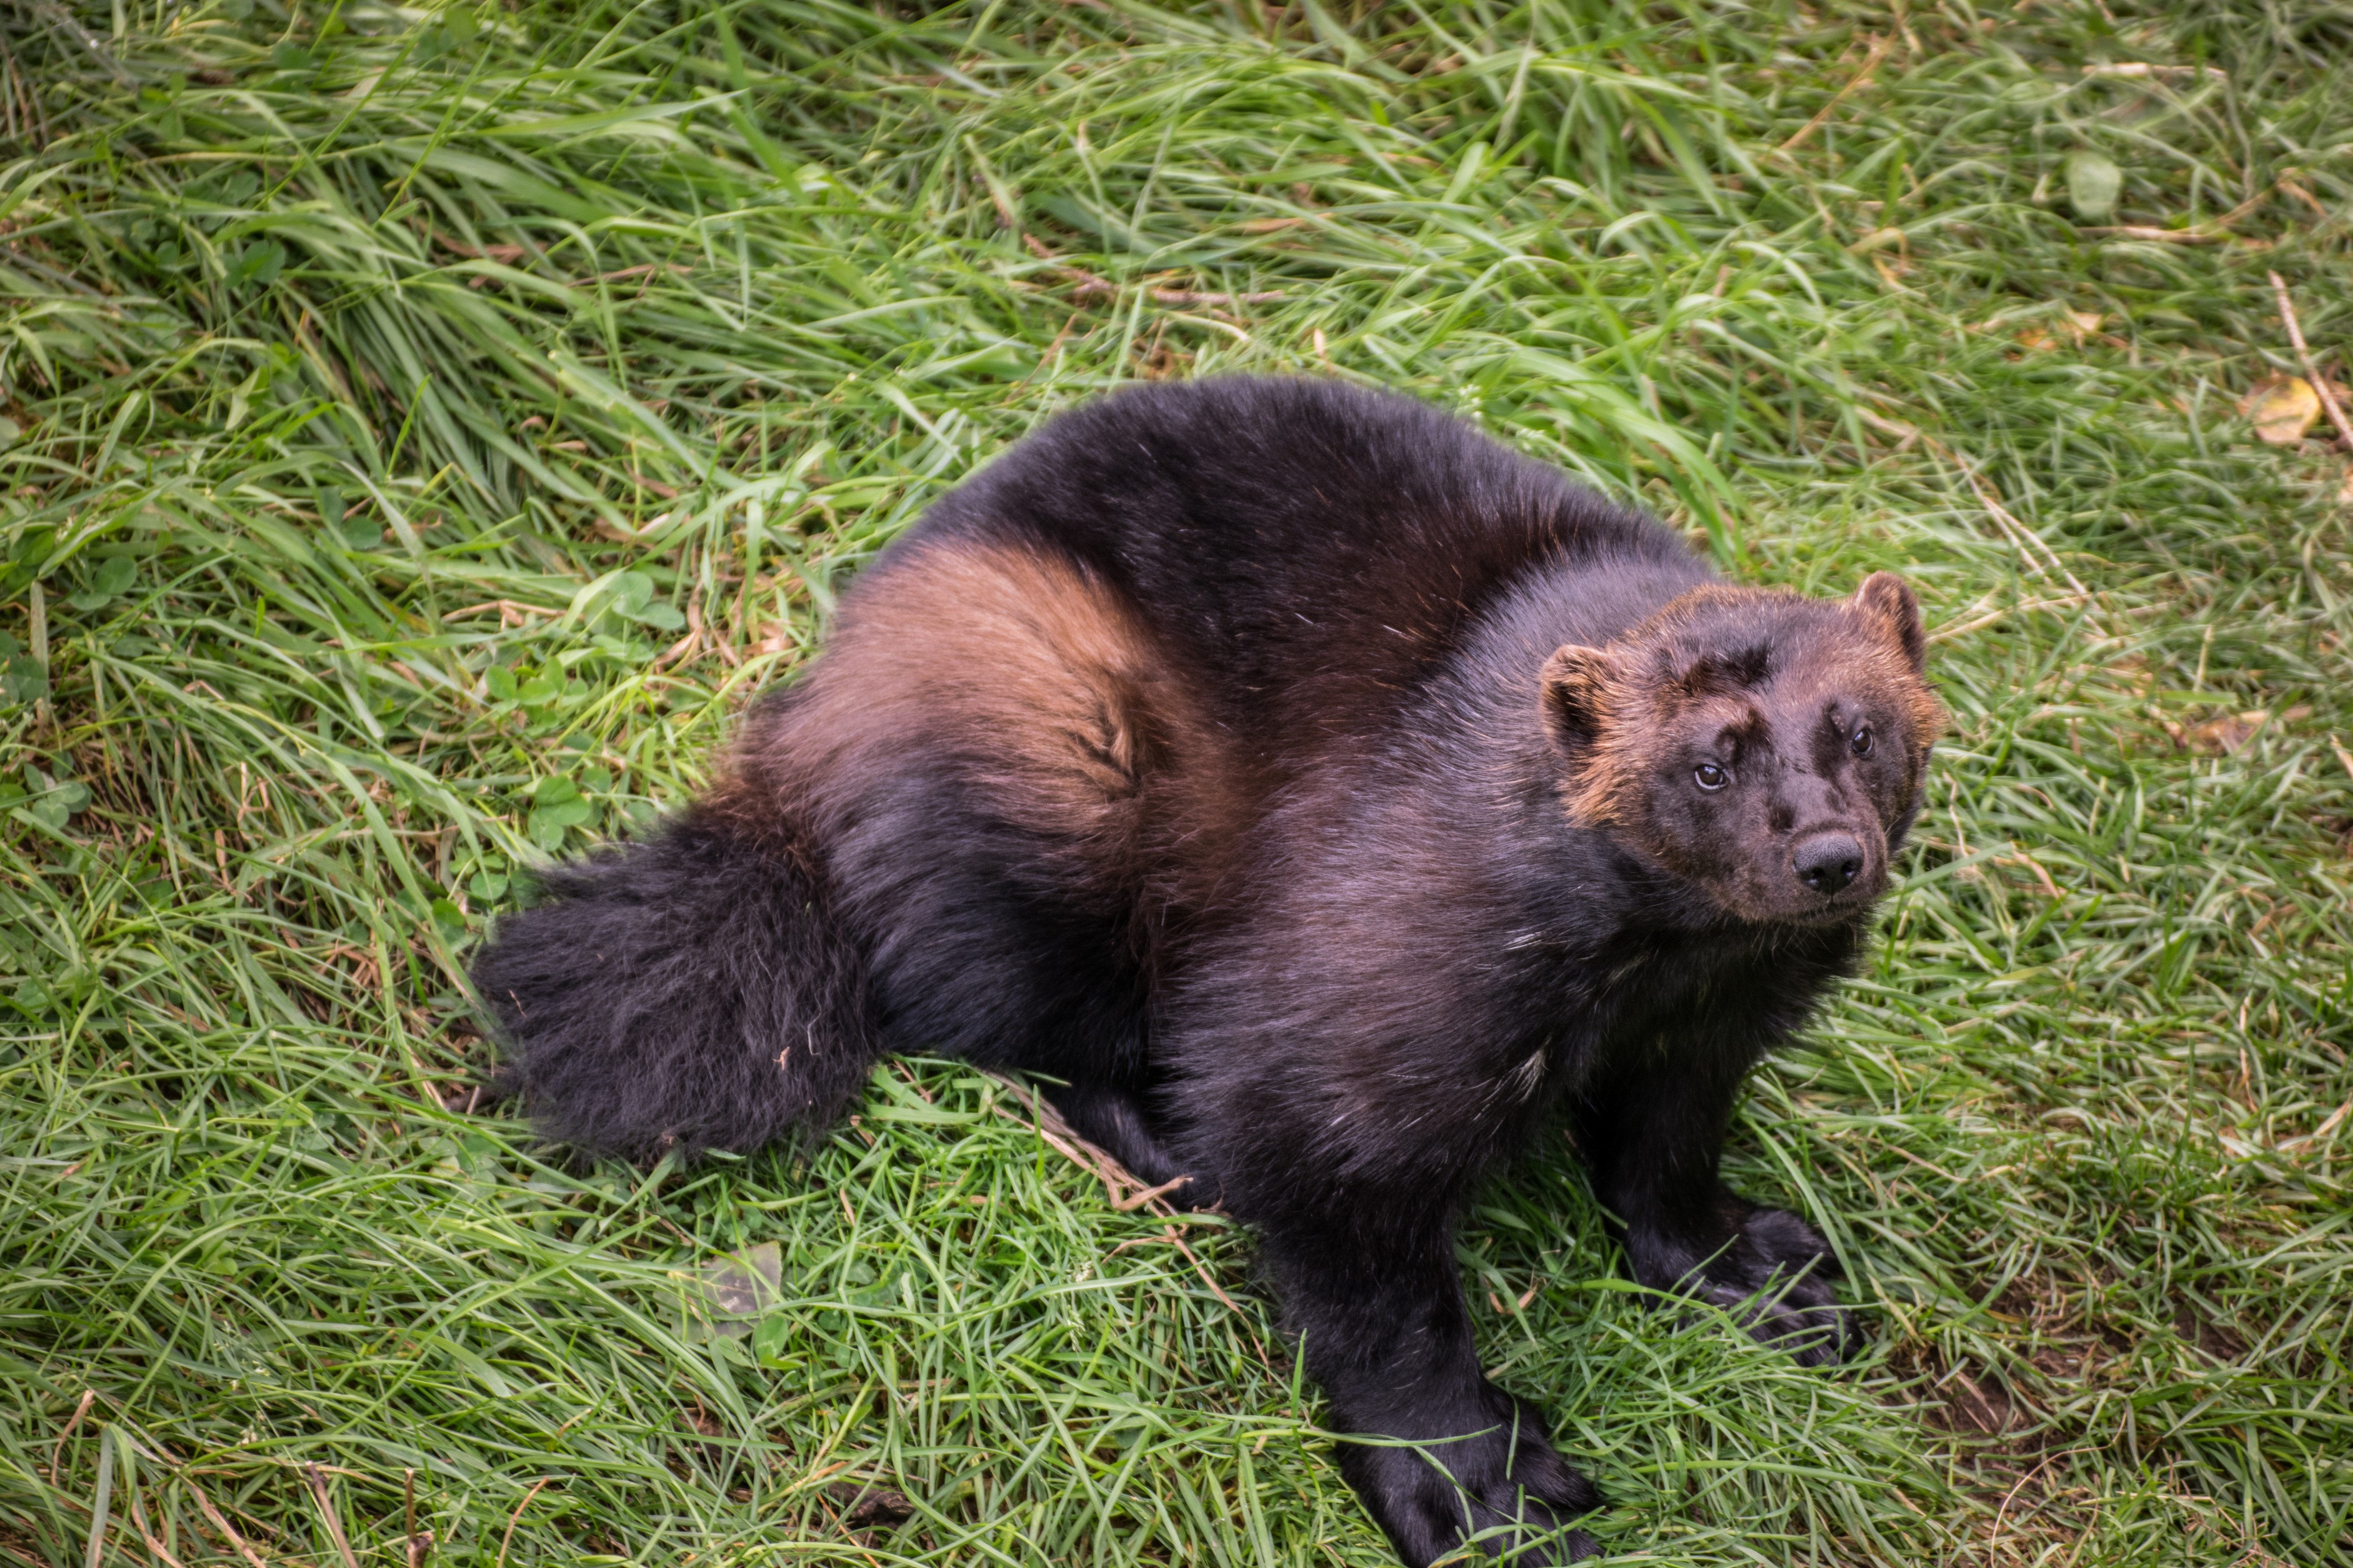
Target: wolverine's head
(1766,747)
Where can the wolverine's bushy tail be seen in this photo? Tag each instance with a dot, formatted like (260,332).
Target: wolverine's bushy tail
(688,991)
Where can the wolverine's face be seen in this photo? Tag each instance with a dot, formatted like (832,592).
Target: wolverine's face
(1765,748)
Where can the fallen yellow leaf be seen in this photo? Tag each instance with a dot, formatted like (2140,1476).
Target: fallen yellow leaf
(2228,733)
(2282,409)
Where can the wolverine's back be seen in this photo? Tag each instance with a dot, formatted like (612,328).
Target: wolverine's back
(1301,551)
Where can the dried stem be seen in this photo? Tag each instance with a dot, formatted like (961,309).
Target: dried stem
(318,1479)
(2311,371)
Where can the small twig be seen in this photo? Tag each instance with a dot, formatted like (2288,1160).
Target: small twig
(1202,1269)
(2311,371)
(223,1525)
(1951,629)
(2021,535)
(420,1547)
(1904,434)
(1189,296)
(505,607)
(2006,1501)
(1085,283)
(1878,52)
(675,652)
(2300,194)
(1089,284)
(1139,1200)
(2017,532)
(2243,208)
(500,253)
(1100,1164)
(327,1505)
(57,1454)
(2013,1498)
(2143,68)
(2200,235)
(139,1521)
(2032,864)
(516,1517)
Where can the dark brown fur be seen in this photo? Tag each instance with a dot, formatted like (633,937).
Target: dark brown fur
(1320,799)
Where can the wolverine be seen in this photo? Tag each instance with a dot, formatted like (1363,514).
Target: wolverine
(1319,799)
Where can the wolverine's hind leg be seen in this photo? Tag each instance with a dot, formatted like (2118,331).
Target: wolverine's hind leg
(1123,1125)
(1002,763)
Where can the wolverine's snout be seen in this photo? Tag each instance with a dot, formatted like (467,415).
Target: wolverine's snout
(1828,863)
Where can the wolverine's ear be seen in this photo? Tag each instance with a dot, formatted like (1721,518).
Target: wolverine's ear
(1576,682)
(1885,601)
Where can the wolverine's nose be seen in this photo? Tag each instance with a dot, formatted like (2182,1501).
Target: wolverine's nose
(1828,862)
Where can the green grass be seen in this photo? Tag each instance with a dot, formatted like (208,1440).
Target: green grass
(424,428)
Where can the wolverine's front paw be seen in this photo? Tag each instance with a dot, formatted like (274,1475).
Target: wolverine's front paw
(1501,1488)
(1766,1266)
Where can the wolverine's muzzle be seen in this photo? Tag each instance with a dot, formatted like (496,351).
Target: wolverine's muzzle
(1828,863)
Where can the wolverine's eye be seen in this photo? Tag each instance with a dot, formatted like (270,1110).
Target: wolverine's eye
(1711,777)
(1863,741)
